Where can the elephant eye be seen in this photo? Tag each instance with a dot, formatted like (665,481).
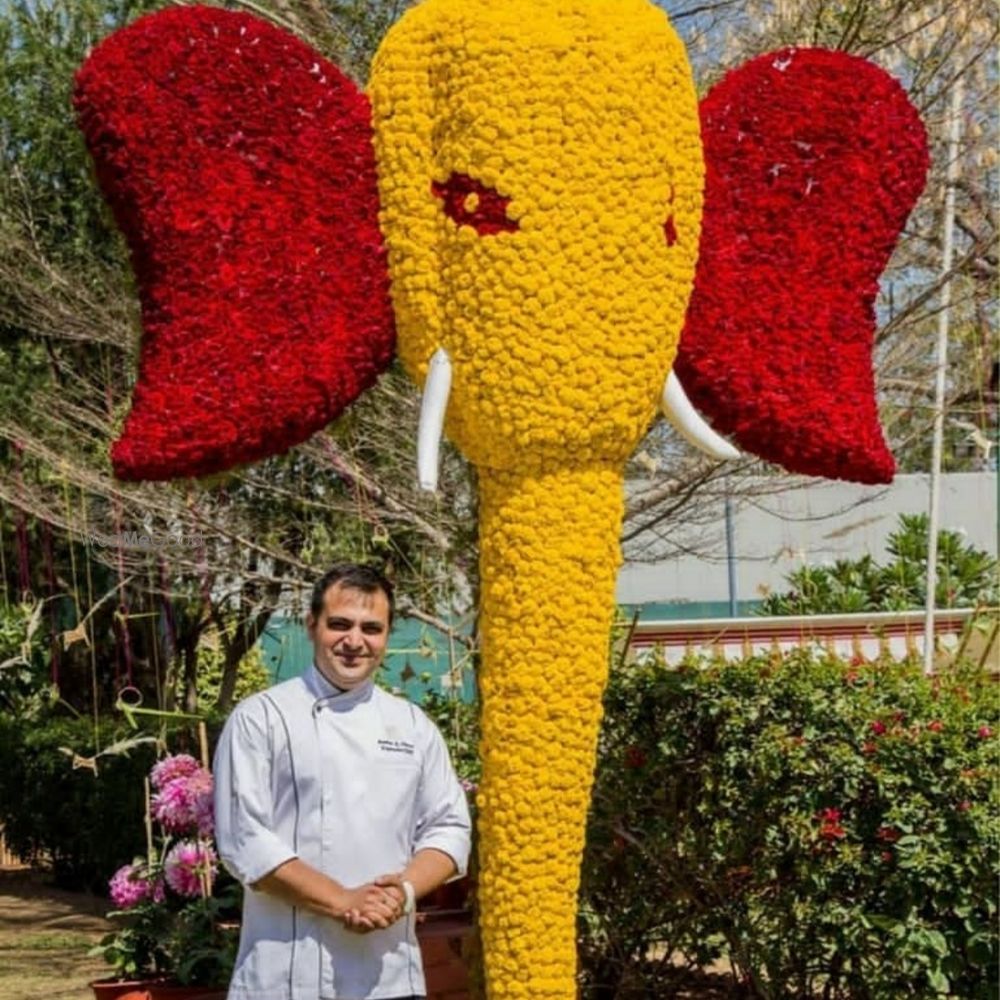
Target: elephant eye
(467,202)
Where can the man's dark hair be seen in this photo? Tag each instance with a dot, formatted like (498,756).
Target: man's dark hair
(354,576)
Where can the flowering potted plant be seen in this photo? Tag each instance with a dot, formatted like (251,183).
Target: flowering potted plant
(173,942)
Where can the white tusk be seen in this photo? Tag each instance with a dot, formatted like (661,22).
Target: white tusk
(433,407)
(690,424)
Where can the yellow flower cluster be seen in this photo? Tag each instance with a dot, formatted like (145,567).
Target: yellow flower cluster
(549,555)
(583,114)
(540,179)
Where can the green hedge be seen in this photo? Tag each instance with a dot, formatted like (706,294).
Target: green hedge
(85,824)
(830,827)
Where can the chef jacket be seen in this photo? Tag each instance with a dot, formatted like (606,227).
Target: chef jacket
(354,783)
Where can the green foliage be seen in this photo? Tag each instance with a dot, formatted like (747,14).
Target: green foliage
(966,577)
(360,27)
(46,168)
(459,724)
(139,949)
(83,823)
(253,674)
(24,677)
(23,369)
(204,938)
(194,943)
(175,930)
(830,827)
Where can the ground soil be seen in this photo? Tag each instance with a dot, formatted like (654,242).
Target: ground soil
(45,934)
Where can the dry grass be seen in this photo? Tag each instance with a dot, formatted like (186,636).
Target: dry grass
(45,934)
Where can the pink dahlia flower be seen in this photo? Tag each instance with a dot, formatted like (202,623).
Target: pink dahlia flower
(200,790)
(184,864)
(131,885)
(185,803)
(170,768)
(171,806)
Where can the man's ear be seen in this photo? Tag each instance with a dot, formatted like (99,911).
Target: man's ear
(239,165)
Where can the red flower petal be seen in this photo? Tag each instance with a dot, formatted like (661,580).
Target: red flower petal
(239,165)
(813,162)
(486,211)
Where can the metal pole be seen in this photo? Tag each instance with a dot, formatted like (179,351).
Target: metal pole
(731,556)
(942,364)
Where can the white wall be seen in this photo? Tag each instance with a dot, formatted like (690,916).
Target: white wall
(816,524)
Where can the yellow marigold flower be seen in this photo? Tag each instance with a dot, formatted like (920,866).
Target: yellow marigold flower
(589,125)
(538,147)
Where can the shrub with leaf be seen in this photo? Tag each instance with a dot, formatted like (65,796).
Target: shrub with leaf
(25,686)
(829,826)
(966,577)
(62,804)
(458,722)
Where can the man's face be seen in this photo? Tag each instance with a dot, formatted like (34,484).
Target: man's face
(350,635)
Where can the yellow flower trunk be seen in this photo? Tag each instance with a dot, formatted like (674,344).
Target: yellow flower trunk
(580,119)
(549,556)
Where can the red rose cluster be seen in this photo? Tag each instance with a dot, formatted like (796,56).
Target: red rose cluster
(239,166)
(813,161)
(830,828)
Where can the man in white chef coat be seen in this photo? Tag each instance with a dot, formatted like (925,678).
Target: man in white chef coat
(337,807)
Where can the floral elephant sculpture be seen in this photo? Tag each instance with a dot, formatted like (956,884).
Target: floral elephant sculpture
(531,195)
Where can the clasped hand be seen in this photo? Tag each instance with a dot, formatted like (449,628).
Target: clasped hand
(375,905)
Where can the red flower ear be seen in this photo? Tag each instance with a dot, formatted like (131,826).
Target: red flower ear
(813,162)
(239,166)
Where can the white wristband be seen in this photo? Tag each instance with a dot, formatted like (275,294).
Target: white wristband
(410,900)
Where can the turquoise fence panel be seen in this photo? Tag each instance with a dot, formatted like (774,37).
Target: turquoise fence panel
(418,658)
(680,611)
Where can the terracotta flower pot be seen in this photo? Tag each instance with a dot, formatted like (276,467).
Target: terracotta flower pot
(444,937)
(153,989)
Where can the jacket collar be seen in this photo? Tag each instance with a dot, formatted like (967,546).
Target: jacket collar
(325,693)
